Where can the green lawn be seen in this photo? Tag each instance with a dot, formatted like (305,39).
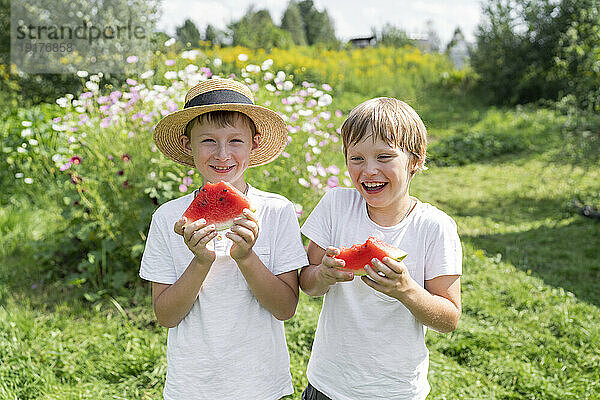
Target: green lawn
(531,307)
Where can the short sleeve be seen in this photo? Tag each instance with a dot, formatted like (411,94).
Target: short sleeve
(290,254)
(444,252)
(317,226)
(157,261)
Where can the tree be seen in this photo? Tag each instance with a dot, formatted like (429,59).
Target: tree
(214,35)
(317,24)
(432,37)
(256,30)
(391,36)
(292,22)
(539,49)
(188,34)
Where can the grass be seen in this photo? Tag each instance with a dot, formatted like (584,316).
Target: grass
(530,306)
(529,326)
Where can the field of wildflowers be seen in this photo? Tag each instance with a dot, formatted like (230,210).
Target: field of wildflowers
(81,178)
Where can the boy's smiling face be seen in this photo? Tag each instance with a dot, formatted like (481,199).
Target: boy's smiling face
(222,153)
(381,173)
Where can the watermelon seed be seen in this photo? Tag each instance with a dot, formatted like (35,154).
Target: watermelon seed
(221,199)
(224,190)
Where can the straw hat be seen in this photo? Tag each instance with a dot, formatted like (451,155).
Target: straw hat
(221,95)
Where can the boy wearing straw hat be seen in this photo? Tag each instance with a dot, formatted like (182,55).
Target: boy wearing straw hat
(224,297)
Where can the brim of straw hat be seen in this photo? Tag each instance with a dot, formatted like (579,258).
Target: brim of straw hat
(270,126)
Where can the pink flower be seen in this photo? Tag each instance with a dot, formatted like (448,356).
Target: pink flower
(183,188)
(333,170)
(109,157)
(338,113)
(330,125)
(307,157)
(191,172)
(170,62)
(285,154)
(57,120)
(326,87)
(86,95)
(311,103)
(76,160)
(65,166)
(132,59)
(333,181)
(105,122)
(125,157)
(187,180)
(254,87)
(131,82)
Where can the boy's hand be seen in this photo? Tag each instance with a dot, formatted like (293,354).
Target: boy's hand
(328,273)
(243,234)
(196,236)
(390,277)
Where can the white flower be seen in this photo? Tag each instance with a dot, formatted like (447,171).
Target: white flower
(170,42)
(171,75)
(281,75)
(266,64)
(95,78)
(268,76)
(21,150)
(303,182)
(33,142)
(311,141)
(92,86)
(147,74)
(26,123)
(252,68)
(80,109)
(316,150)
(270,87)
(62,101)
(82,74)
(305,113)
(19,175)
(325,100)
(57,158)
(217,62)
(190,54)
(287,85)
(243,57)
(26,132)
(28,181)
(318,93)
(191,68)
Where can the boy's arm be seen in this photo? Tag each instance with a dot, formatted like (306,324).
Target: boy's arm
(320,274)
(437,305)
(276,293)
(173,302)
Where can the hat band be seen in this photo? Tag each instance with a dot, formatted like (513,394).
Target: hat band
(218,97)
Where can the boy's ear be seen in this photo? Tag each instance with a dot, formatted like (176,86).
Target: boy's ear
(185,143)
(255,141)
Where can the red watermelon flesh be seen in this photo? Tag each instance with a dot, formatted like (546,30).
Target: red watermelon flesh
(218,204)
(359,255)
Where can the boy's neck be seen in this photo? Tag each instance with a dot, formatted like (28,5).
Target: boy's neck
(390,216)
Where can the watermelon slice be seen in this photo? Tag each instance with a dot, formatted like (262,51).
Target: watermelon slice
(218,204)
(359,255)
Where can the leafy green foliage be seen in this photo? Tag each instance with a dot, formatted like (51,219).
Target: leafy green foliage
(256,30)
(188,34)
(292,22)
(530,50)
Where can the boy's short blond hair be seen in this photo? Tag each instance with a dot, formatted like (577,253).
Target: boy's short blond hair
(220,119)
(390,120)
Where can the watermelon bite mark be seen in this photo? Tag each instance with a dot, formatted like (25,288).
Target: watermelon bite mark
(219,203)
(359,255)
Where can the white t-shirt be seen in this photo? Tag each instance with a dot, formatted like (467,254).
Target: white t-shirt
(369,345)
(228,346)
